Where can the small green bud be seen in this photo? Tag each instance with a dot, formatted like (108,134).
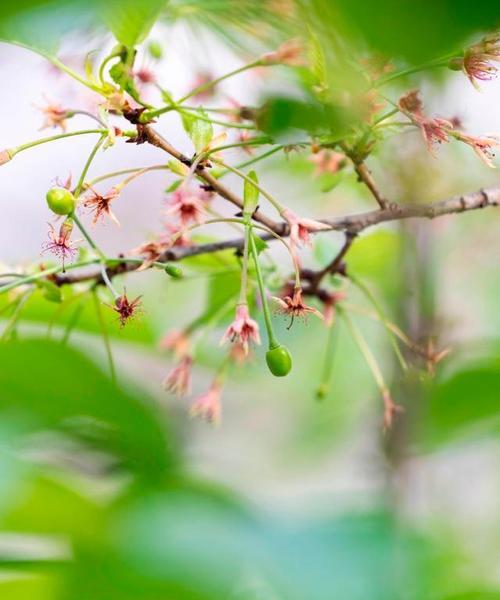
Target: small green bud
(155,50)
(174,271)
(61,201)
(250,195)
(456,63)
(322,391)
(279,361)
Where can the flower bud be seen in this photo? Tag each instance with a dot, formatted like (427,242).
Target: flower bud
(4,157)
(279,361)
(174,271)
(61,201)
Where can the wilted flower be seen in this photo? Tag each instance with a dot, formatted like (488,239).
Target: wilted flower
(188,204)
(54,116)
(178,381)
(239,354)
(60,243)
(176,341)
(125,308)
(290,53)
(243,329)
(433,130)
(327,161)
(301,228)
(295,307)
(100,204)
(481,145)
(151,252)
(207,406)
(477,60)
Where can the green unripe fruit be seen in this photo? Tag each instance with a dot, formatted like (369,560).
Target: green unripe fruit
(174,271)
(155,50)
(61,201)
(279,361)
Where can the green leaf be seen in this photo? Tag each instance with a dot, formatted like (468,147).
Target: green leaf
(201,131)
(130,20)
(465,405)
(260,244)
(250,194)
(50,290)
(65,390)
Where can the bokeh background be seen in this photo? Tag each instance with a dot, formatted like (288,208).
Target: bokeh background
(114,492)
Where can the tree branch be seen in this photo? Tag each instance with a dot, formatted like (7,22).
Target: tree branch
(350,224)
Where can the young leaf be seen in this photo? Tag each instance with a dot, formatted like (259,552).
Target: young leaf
(250,194)
(201,132)
(130,21)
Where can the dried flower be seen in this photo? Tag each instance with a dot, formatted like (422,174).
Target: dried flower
(295,307)
(125,308)
(208,406)
(477,60)
(151,252)
(327,161)
(301,228)
(176,341)
(188,204)
(100,204)
(290,53)
(481,145)
(178,381)
(433,130)
(243,329)
(60,244)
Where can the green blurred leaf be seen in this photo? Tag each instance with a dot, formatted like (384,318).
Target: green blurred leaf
(250,194)
(130,21)
(66,391)
(465,405)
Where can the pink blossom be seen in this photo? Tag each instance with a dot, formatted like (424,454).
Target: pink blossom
(290,53)
(301,228)
(176,341)
(327,161)
(477,60)
(60,244)
(482,146)
(188,204)
(178,381)
(243,329)
(208,406)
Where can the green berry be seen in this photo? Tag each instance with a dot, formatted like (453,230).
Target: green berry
(61,201)
(279,361)
(155,50)
(174,271)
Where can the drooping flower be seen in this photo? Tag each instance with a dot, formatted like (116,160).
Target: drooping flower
(301,228)
(59,243)
(178,381)
(295,307)
(188,204)
(243,329)
(482,146)
(175,341)
(290,53)
(125,308)
(208,405)
(54,116)
(477,60)
(327,161)
(100,204)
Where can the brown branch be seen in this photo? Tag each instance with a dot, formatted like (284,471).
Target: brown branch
(147,133)
(351,225)
(365,176)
